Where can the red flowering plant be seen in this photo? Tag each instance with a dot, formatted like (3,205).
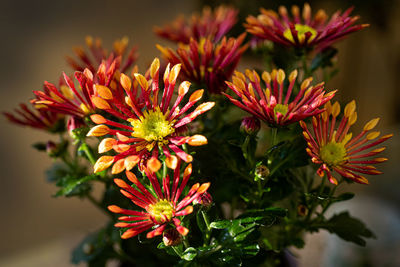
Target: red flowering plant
(269,170)
(301,38)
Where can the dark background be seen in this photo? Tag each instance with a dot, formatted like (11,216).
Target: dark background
(38,230)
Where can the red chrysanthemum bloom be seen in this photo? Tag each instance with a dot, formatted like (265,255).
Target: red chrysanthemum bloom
(210,24)
(335,149)
(151,123)
(207,63)
(76,100)
(302,30)
(271,105)
(35,117)
(161,209)
(92,60)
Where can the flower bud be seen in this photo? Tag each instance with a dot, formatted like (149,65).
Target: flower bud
(261,172)
(302,210)
(171,237)
(51,148)
(204,199)
(76,128)
(250,125)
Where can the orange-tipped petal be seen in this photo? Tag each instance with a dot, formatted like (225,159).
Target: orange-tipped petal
(197,140)
(100,103)
(115,209)
(183,88)
(98,119)
(131,162)
(99,130)
(106,144)
(118,166)
(203,188)
(142,81)
(371,124)
(154,164)
(196,95)
(125,82)
(103,91)
(172,162)
(103,163)
(155,65)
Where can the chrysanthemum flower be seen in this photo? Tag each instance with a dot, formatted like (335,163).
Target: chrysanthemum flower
(76,100)
(35,117)
(335,149)
(302,30)
(92,60)
(162,208)
(210,24)
(151,123)
(208,63)
(271,104)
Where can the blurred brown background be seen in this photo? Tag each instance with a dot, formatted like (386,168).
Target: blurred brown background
(36,35)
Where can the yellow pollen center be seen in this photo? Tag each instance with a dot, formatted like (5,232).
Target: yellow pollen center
(301,33)
(161,211)
(333,153)
(152,126)
(282,109)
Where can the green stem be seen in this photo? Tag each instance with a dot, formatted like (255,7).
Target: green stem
(177,251)
(208,232)
(274,133)
(88,152)
(315,202)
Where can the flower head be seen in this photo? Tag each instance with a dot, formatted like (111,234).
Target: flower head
(76,100)
(160,209)
(151,124)
(92,60)
(302,30)
(271,105)
(210,24)
(36,117)
(207,63)
(333,148)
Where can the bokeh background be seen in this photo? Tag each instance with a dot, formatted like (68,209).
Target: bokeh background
(39,230)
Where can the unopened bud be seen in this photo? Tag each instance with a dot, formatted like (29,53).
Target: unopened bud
(76,128)
(262,172)
(172,237)
(250,125)
(302,210)
(88,248)
(51,148)
(204,199)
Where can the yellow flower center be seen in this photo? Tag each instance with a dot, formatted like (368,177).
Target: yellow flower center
(153,126)
(161,211)
(282,109)
(333,153)
(301,33)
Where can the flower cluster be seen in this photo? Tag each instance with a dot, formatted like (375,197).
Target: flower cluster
(206,62)
(151,123)
(271,105)
(92,60)
(212,25)
(75,101)
(302,30)
(334,149)
(36,118)
(160,209)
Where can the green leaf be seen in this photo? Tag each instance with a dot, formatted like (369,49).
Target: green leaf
(71,186)
(348,228)
(40,146)
(189,254)
(221,224)
(56,172)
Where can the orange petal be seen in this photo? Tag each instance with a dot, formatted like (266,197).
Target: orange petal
(103,163)
(98,130)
